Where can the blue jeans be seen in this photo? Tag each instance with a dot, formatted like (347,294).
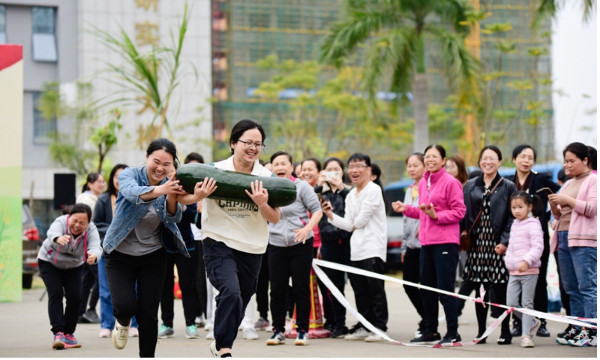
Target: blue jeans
(578,276)
(107,319)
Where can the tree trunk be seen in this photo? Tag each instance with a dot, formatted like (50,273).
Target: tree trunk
(420,110)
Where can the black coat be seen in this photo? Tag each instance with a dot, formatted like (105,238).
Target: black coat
(536,182)
(103,214)
(499,206)
(327,231)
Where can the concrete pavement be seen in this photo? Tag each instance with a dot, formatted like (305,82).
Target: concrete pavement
(27,334)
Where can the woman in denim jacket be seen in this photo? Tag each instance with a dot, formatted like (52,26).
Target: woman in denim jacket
(143,226)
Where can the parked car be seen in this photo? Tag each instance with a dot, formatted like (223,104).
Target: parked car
(31,247)
(395,228)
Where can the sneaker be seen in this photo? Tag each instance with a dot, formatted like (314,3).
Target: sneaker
(358,334)
(543,331)
(570,335)
(302,338)
(165,332)
(261,324)
(516,331)
(104,333)
(449,339)
(526,342)
(59,341)
(564,333)
(191,332)
(417,333)
(584,338)
(71,342)
(277,339)
(210,335)
(374,337)
(91,317)
(119,336)
(339,331)
(199,321)
(213,350)
(134,332)
(208,326)
(505,339)
(250,334)
(427,339)
(534,327)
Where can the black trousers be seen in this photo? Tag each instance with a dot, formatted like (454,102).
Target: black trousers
(61,283)
(369,293)
(411,272)
(186,269)
(496,293)
(438,270)
(200,280)
(234,273)
(89,288)
(294,261)
(262,289)
(338,252)
(148,271)
(325,294)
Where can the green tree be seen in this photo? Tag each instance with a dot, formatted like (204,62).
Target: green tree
(151,77)
(395,33)
(548,8)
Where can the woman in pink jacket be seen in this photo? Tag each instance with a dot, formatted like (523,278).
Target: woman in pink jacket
(523,259)
(575,208)
(441,207)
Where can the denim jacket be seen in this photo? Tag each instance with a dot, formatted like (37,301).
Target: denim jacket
(130,209)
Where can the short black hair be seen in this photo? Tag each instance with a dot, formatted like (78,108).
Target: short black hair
(279,153)
(360,157)
(519,149)
(578,149)
(193,156)
(439,148)
(241,127)
(163,144)
(494,148)
(111,186)
(317,162)
(81,208)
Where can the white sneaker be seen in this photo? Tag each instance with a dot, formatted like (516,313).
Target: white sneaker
(213,350)
(119,336)
(250,334)
(210,335)
(133,332)
(104,333)
(358,334)
(526,342)
(208,326)
(374,337)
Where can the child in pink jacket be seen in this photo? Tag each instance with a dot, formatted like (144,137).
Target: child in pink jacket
(522,259)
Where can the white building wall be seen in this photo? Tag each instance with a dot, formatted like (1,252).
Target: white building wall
(187,99)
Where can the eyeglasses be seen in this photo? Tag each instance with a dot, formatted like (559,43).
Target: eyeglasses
(357,166)
(249,144)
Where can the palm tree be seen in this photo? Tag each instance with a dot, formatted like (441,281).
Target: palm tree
(550,7)
(398,32)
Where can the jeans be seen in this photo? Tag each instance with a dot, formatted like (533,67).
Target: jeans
(294,261)
(186,269)
(147,271)
(578,268)
(369,293)
(438,270)
(521,290)
(107,319)
(234,274)
(339,252)
(61,282)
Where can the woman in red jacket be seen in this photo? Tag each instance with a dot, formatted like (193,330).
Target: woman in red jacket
(441,207)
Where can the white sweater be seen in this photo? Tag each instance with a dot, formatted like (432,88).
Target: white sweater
(365,213)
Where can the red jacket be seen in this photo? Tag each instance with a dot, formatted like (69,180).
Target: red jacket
(446,194)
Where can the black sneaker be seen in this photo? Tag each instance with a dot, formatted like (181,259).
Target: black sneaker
(564,333)
(543,331)
(505,339)
(516,331)
(449,339)
(339,331)
(427,339)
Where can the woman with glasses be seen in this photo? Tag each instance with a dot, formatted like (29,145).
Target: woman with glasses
(235,235)
(489,194)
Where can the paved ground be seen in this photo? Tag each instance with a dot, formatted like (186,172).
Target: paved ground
(27,334)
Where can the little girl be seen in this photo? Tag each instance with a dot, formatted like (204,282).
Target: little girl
(522,259)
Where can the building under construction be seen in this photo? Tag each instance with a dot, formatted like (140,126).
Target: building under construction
(515,57)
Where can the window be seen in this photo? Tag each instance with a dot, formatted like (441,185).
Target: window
(44,28)
(2,24)
(42,128)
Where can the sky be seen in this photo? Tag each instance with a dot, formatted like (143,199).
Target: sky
(575,75)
